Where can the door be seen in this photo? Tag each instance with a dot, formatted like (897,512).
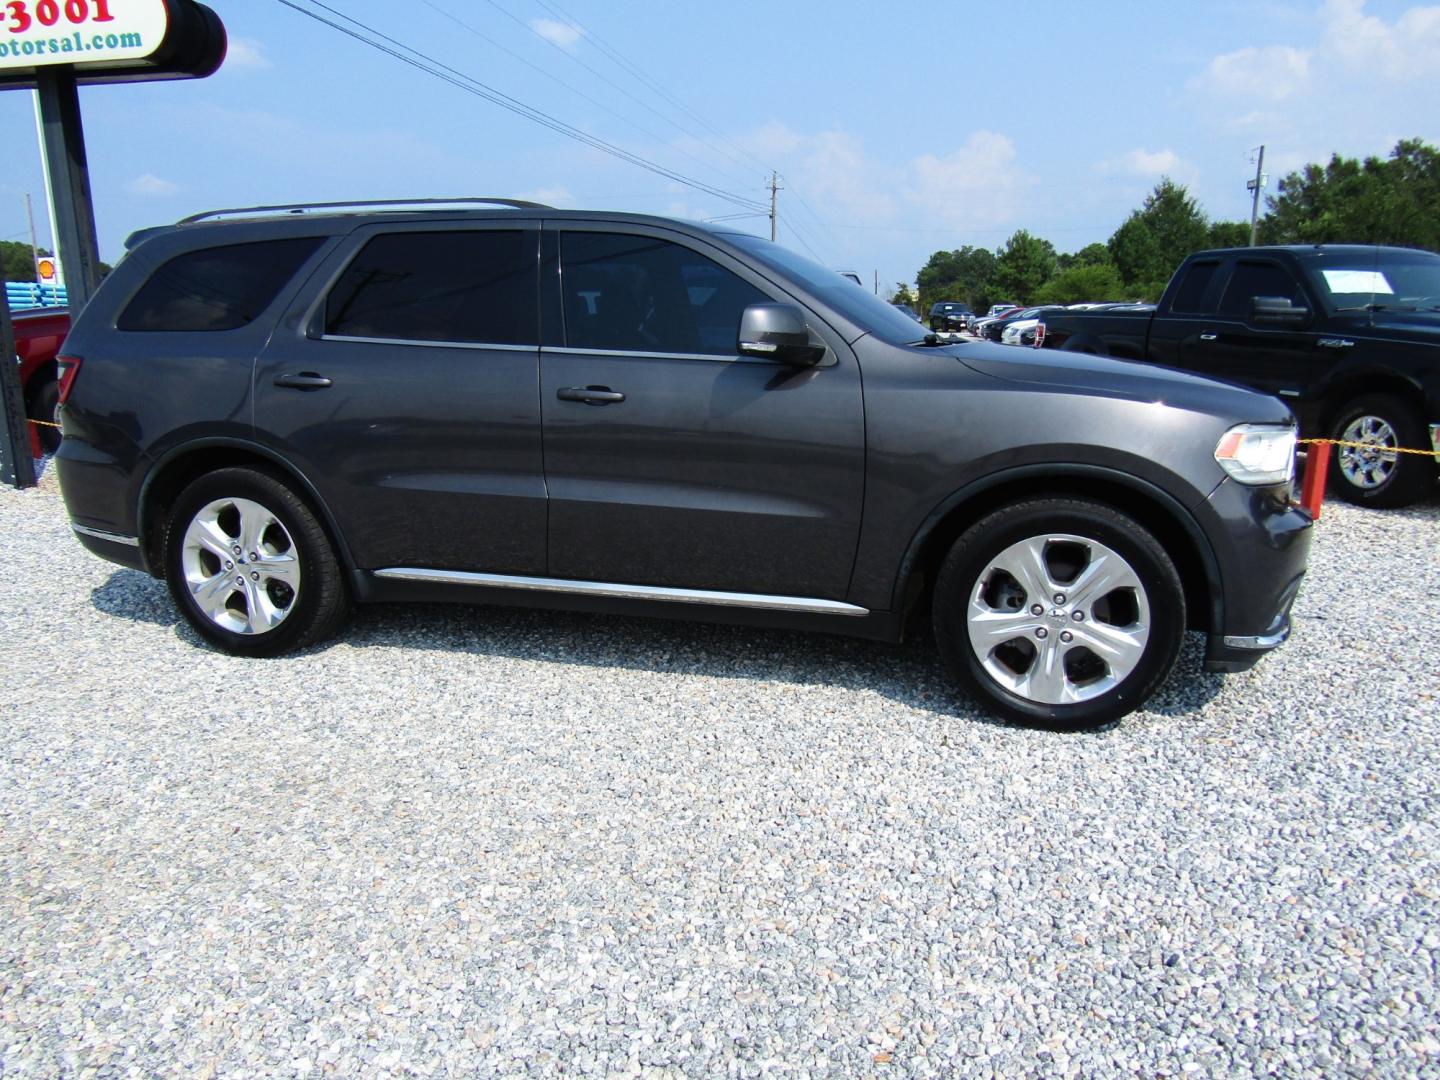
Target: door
(1280,361)
(403,383)
(670,459)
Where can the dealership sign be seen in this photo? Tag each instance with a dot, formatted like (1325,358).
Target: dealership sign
(108,40)
(39,33)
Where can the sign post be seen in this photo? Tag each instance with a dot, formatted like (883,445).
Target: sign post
(69,175)
(17,467)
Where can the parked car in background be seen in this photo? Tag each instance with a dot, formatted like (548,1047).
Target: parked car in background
(296,409)
(1347,335)
(984,327)
(948,316)
(908,310)
(39,334)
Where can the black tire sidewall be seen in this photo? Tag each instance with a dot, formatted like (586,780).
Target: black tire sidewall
(321,586)
(980,544)
(1413,473)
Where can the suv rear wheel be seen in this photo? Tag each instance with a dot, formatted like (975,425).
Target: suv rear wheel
(1060,613)
(250,566)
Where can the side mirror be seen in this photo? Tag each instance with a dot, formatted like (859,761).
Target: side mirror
(1277,311)
(778,332)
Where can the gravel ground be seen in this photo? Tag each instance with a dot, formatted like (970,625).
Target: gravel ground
(475,841)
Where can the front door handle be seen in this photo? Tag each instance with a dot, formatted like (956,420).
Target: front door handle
(1208,337)
(590,395)
(305,380)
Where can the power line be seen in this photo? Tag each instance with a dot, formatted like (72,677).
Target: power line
(471,85)
(598,74)
(645,80)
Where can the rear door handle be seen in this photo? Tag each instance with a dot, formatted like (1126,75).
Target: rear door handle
(590,395)
(305,380)
(1208,337)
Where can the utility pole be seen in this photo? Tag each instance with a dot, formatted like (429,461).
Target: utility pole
(1255,186)
(30,216)
(877,282)
(774,187)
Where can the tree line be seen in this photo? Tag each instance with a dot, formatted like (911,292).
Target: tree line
(1394,200)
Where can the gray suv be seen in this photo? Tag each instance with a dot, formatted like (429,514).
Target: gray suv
(285,410)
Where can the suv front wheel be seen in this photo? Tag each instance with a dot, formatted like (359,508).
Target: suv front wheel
(250,566)
(1059,613)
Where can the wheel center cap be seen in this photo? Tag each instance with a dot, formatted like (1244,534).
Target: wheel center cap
(1056,617)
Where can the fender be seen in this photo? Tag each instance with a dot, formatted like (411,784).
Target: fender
(1172,506)
(231,443)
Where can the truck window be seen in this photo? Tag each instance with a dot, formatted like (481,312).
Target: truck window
(1191,293)
(1251,279)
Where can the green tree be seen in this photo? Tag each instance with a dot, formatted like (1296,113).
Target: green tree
(963,274)
(1022,266)
(903,295)
(1375,201)
(1155,239)
(1224,234)
(19,260)
(1078,284)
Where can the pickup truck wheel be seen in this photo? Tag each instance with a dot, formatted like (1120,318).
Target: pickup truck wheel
(249,565)
(1374,474)
(44,404)
(1059,613)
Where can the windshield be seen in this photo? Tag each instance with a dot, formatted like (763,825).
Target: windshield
(860,306)
(1384,279)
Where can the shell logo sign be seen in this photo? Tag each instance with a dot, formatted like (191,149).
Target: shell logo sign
(82,33)
(47,272)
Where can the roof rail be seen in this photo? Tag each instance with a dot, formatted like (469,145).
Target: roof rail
(300,208)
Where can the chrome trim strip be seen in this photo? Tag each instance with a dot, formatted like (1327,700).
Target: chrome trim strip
(1289,393)
(430,344)
(100,534)
(724,358)
(1262,641)
(1435,441)
(624,592)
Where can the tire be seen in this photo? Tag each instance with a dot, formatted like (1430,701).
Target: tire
(44,404)
(1376,478)
(250,566)
(1088,657)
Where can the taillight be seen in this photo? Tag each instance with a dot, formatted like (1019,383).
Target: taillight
(67,368)
(1039,334)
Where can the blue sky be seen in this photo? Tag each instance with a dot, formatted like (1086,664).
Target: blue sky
(897,130)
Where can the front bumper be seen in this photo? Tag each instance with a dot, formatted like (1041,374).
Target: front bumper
(1262,544)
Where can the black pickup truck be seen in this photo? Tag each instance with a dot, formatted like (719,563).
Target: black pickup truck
(1348,336)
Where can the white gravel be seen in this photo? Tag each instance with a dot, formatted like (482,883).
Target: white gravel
(467,841)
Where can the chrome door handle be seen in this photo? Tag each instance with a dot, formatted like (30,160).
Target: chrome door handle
(1207,337)
(590,395)
(305,380)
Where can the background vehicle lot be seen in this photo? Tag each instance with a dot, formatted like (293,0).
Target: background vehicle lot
(474,839)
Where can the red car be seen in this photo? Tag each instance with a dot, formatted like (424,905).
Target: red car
(38,336)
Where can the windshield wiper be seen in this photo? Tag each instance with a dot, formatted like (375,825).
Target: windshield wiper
(1377,307)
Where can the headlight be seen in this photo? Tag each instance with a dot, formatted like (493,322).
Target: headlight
(1256,454)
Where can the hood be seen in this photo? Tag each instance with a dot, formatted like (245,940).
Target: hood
(1416,326)
(1130,380)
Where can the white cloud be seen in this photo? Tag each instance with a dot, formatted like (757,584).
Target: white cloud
(1272,73)
(1140,162)
(246,53)
(557,33)
(558,195)
(152,186)
(978,184)
(1365,43)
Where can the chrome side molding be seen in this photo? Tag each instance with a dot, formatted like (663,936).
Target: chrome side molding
(807,605)
(99,534)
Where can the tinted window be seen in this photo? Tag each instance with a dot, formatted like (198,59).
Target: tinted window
(1194,285)
(466,286)
(216,288)
(1252,279)
(639,294)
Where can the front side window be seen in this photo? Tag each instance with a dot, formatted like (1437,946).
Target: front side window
(219,288)
(471,287)
(627,293)
(1252,279)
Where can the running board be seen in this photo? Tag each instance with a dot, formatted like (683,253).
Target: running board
(624,592)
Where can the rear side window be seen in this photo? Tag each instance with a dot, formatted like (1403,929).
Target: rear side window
(639,294)
(1252,279)
(1193,287)
(473,287)
(220,288)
